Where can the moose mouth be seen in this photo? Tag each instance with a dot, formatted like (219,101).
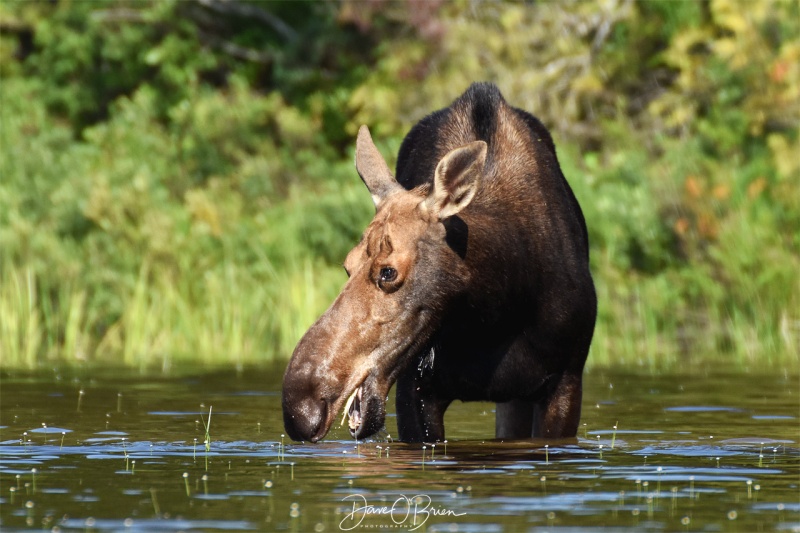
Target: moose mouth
(365,409)
(352,410)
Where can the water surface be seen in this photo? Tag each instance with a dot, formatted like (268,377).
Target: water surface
(102,453)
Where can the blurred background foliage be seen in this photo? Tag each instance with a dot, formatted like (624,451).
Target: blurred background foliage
(176,179)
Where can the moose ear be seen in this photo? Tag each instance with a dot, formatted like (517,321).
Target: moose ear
(372,168)
(457,178)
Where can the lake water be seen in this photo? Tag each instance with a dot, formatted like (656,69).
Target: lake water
(710,452)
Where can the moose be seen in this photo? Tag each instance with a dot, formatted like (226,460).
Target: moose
(471,283)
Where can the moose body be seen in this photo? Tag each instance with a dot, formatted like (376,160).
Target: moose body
(472,282)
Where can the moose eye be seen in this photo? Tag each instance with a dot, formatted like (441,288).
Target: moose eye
(387,275)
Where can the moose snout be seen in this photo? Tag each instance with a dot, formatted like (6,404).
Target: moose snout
(304,417)
(305,411)
(307,385)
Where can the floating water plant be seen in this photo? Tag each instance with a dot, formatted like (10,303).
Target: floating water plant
(63,434)
(154,500)
(658,485)
(119,402)
(44,427)
(207,426)
(125,452)
(80,399)
(547,454)
(614,435)
(423,456)
(186,483)
(33,479)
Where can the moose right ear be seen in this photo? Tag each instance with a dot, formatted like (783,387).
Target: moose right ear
(373,169)
(457,178)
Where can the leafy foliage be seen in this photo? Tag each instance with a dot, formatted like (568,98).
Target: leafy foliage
(177,179)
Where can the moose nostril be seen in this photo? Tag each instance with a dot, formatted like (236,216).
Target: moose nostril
(304,418)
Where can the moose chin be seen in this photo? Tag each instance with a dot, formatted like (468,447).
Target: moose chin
(471,283)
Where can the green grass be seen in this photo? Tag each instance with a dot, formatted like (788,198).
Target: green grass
(21,326)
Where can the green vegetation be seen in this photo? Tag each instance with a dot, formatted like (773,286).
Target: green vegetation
(176,180)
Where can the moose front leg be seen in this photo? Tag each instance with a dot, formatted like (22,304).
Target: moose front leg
(514,420)
(420,413)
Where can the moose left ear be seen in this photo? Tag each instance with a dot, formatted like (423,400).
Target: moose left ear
(373,169)
(456,179)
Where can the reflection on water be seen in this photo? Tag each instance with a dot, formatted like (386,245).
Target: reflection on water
(667,453)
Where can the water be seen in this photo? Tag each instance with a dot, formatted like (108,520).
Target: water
(690,453)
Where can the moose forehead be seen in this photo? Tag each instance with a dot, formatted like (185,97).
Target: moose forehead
(397,225)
